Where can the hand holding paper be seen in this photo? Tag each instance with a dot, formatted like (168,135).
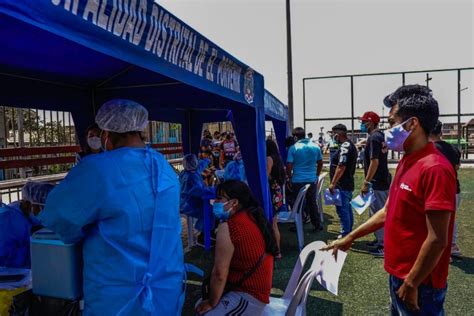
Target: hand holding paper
(328,269)
(332,199)
(361,202)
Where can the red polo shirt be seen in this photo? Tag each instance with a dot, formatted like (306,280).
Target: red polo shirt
(424,181)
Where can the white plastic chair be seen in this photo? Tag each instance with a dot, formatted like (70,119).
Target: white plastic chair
(319,196)
(293,301)
(296,215)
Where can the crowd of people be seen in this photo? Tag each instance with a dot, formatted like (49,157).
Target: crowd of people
(127,216)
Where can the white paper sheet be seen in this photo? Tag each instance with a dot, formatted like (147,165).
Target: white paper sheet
(361,203)
(329,269)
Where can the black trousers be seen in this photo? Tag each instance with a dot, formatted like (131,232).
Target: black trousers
(311,207)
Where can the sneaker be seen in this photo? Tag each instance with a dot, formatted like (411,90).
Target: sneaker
(372,244)
(318,229)
(306,220)
(377,252)
(455,251)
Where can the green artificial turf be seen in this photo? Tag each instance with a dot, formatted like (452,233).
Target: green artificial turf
(363,286)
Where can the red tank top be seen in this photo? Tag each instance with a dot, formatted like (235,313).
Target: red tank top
(249,246)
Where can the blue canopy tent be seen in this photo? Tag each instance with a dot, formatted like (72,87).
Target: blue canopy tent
(73,55)
(277,113)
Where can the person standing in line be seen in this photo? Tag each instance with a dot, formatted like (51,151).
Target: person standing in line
(341,172)
(229,148)
(304,164)
(376,172)
(276,178)
(453,154)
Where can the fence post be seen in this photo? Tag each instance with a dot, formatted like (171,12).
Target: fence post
(21,138)
(304,106)
(459,110)
(352,107)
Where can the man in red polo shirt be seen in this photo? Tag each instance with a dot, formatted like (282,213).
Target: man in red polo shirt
(418,217)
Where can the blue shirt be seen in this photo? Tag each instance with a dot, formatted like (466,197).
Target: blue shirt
(304,156)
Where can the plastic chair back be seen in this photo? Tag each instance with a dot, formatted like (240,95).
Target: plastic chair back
(319,195)
(303,257)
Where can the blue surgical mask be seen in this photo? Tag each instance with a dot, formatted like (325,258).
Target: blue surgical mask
(220,212)
(396,137)
(363,128)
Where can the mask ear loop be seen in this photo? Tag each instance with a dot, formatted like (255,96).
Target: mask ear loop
(104,149)
(404,123)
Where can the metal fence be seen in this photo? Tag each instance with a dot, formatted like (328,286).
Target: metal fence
(348,96)
(33,128)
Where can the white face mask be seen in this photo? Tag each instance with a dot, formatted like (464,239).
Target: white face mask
(396,137)
(94,142)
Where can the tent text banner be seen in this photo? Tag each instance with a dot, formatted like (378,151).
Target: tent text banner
(153,29)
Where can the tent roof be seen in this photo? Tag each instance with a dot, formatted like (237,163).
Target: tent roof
(85,45)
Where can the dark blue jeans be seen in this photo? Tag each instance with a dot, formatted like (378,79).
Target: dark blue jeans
(430,300)
(344,211)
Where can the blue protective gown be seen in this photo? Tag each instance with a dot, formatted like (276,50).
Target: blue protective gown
(124,206)
(193,190)
(15,232)
(235,170)
(203,164)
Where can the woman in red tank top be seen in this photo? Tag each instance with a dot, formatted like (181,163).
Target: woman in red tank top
(241,278)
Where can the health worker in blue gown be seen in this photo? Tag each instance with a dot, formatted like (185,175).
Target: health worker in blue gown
(193,189)
(235,169)
(18,221)
(123,204)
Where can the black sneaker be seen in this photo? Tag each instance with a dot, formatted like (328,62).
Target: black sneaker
(377,252)
(372,244)
(318,229)
(306,220)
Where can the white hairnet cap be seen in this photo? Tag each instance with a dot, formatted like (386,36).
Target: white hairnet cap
(190,162)
(121,116)
(36,192)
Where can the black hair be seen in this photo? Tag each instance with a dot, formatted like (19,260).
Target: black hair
(234,189)
(94,126)
(278,170)
(310,135)
(299,133)
(289,141)
(423,107)
(405,92)
(437,130)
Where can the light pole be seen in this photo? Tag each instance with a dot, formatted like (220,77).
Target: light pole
(289,65)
